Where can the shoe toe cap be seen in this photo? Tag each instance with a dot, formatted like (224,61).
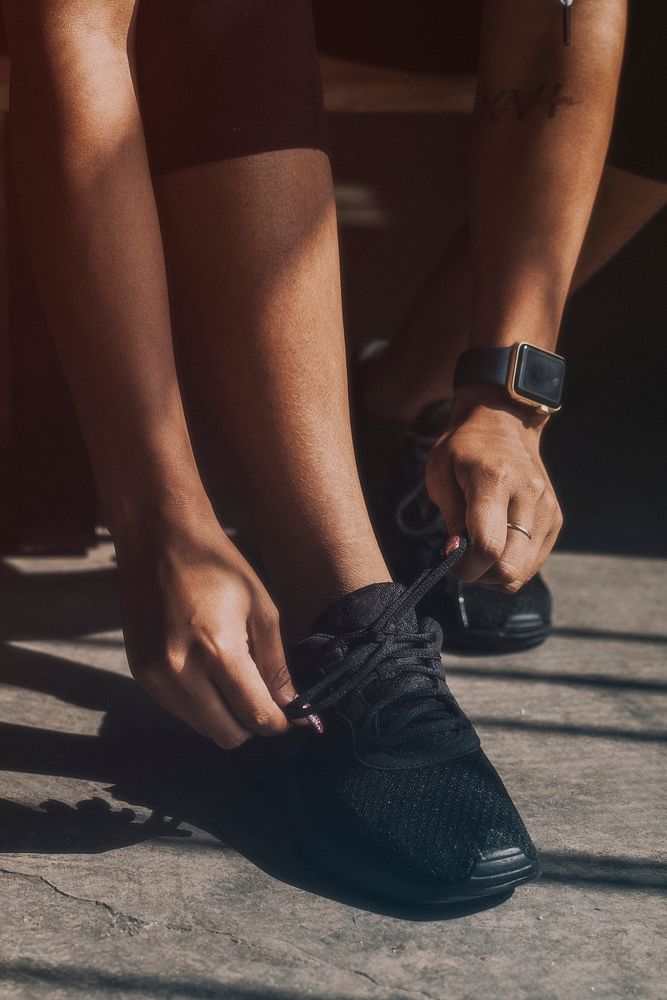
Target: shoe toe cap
(431,825)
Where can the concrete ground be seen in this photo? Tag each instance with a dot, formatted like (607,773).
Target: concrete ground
(139,863)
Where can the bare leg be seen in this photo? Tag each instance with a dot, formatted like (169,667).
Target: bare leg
(400,385)
(253,258)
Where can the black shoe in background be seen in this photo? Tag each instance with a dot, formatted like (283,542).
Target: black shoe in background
(410,529)
(395,795)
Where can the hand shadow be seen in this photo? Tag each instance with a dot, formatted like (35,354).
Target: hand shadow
(91,826)
(149,760)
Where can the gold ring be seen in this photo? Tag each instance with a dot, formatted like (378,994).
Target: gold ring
(517,527)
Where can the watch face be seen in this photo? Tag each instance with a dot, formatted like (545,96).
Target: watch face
(539,376)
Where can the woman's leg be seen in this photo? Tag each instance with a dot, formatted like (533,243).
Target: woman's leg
(253,257)
(233,112)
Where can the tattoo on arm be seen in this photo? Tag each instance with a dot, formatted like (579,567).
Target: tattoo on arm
(514,103)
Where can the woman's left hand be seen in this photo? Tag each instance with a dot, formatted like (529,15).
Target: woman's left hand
(485,473)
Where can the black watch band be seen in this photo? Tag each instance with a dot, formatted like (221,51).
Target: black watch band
(483,366)
(530,375)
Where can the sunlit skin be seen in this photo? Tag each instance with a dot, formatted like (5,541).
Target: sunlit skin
(252,259)
(253,262)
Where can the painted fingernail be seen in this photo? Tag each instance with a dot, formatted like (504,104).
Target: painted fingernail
(315,721)
(451,545)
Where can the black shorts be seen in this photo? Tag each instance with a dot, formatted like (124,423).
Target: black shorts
(225,78)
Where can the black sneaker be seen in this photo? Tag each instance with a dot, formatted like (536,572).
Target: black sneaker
(395,794)
(410,529)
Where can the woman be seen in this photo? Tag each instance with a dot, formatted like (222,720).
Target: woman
(248,223)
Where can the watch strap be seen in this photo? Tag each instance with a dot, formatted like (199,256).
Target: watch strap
(483,366)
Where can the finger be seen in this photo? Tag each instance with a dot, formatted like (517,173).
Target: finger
(447,494)
(218,718)
(155,684)
(191,697)
(268,652)
(515,565)
(443,487)
(237,678)
(487,502)
(537,563)
(521,556)
(550,539)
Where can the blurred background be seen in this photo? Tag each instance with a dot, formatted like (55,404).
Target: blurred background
(399,91)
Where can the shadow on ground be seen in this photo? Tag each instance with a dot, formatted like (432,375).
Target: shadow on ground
(93,982)
(146,760)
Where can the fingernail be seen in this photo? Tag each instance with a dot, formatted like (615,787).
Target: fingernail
(315,722)
(451,545)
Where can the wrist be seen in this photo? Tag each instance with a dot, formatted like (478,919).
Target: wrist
(149,477)
(469,400)
(157,511)
(529,376)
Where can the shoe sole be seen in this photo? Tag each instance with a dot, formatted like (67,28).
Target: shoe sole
(470,641)
(497,872)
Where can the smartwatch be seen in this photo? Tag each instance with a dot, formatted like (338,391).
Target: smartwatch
(529,374)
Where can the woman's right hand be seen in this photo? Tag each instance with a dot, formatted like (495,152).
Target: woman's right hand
(202,634)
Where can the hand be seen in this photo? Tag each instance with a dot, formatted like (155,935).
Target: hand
(202,634)
(486,471)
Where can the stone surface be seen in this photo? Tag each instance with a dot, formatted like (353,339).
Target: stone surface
(137,862)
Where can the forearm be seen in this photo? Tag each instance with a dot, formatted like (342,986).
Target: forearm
(543,119)
(91,226)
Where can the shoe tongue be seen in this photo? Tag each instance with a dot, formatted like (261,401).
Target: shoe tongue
(362,608)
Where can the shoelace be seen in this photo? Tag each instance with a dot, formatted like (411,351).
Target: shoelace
(366,650)
(428,521)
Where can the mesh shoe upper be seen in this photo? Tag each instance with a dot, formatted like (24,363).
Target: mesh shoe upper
(397,779)
(426,823)
(480,610)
